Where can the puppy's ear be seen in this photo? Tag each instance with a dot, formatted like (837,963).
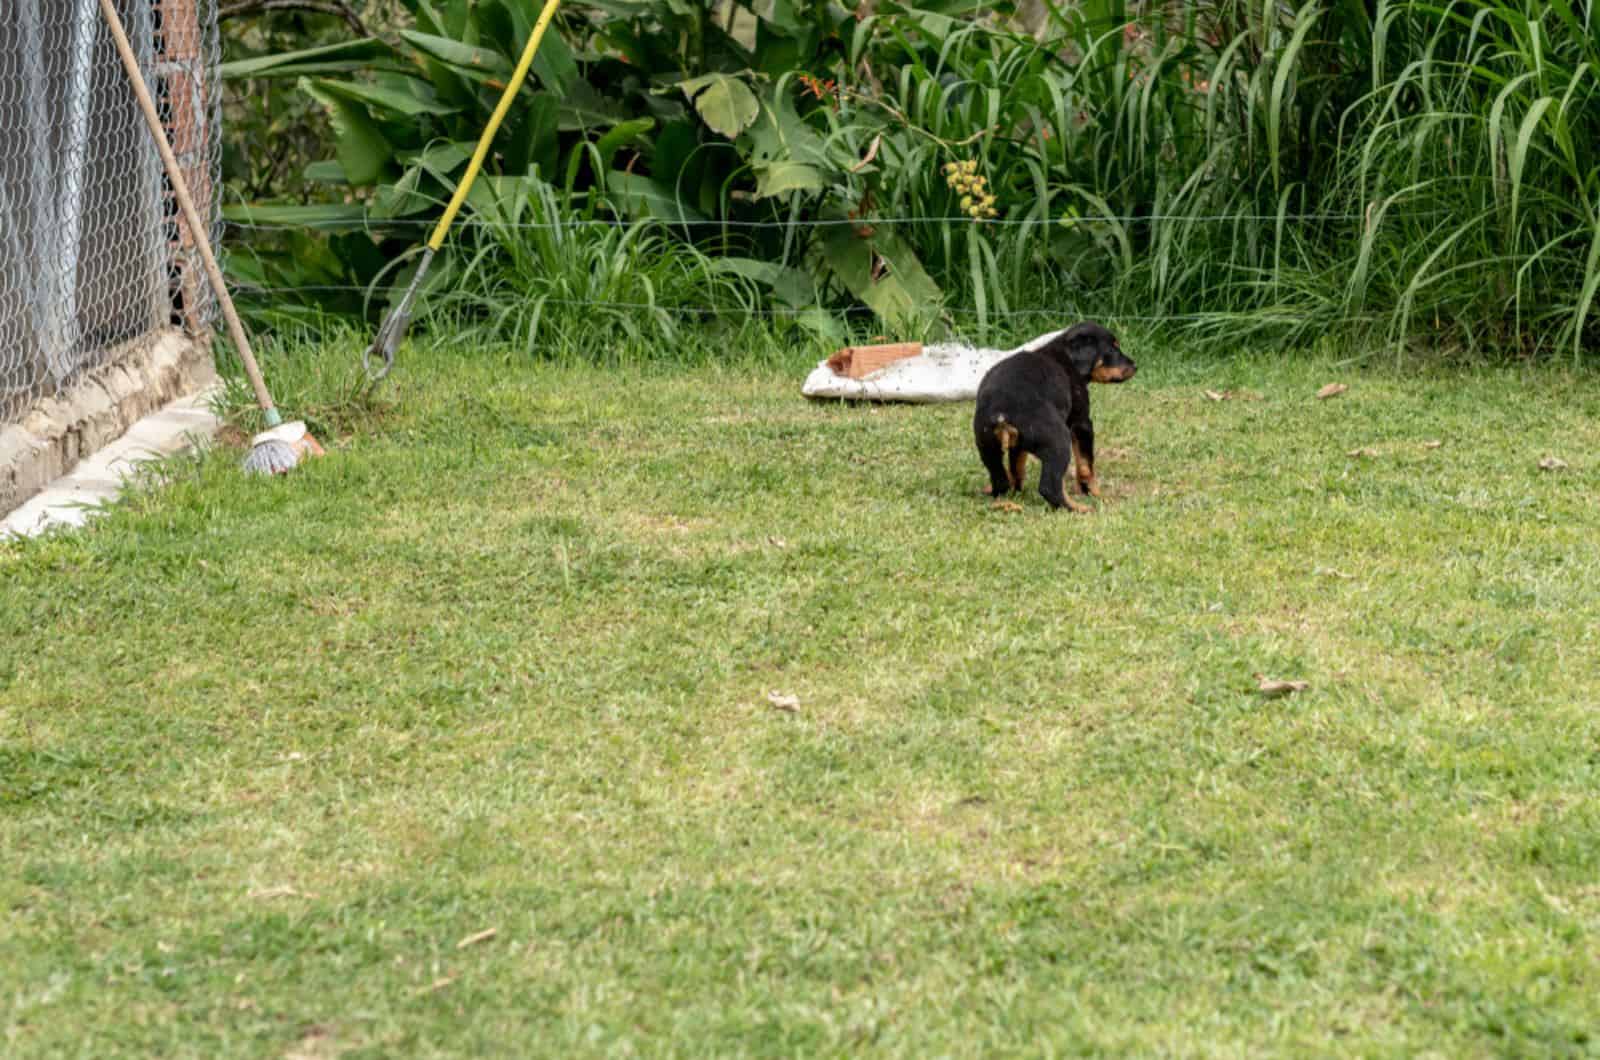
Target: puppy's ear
(1081,346)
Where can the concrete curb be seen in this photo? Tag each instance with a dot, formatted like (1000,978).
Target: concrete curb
(72,499)
(58,432)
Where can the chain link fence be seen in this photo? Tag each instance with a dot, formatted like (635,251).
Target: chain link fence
(94,258)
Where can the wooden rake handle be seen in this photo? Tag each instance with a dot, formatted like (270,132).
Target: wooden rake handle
(191,216)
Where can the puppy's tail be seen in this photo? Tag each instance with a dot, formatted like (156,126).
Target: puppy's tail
(1004,433)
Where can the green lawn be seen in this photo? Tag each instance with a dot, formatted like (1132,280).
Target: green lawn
(270,750)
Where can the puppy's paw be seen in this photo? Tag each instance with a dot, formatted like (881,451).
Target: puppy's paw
(1089,486)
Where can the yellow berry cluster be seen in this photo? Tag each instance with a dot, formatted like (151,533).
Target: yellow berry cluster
(974,190)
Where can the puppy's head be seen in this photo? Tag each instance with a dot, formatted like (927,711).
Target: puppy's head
(1093,354)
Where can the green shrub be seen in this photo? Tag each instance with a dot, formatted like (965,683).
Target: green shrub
(1394,170)
(539,280)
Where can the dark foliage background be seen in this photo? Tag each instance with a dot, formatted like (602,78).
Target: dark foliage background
(1415,173)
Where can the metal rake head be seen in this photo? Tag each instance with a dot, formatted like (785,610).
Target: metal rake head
(393,330)
(387,342)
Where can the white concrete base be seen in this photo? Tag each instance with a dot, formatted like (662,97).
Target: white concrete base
(58,430)
(98,480)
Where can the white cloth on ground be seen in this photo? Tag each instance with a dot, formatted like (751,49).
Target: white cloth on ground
(942,372)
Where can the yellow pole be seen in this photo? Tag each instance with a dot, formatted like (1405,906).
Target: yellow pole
(393,329)
(518,76)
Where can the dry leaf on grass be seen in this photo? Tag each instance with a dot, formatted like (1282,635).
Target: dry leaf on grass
(482,936)
(1365,451)
(1006,506)
(1434,444)
(1273,688)
(777,542)
(1217,395)
(1331,572)
(872,152)
(1331,390)
(1552,463)
(283,890)
(786,703)
(438,984)
(314,1044)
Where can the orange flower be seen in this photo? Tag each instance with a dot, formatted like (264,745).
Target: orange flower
(819,88)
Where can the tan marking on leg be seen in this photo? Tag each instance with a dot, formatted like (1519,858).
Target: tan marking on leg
(1073,504)
(1088,480)
(1019,468)
(1085,472)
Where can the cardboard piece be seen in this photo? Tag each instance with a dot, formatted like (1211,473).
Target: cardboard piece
(856,362)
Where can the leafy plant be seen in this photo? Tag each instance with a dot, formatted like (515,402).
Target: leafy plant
(1394,169)
(539,280)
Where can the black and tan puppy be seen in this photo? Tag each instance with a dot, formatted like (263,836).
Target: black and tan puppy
(1037,401)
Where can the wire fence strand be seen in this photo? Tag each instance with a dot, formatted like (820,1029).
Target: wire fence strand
(373,222)
(704,310)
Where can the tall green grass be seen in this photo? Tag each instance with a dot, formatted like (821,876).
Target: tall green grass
(1415,172)
(1400,173)
(555,286)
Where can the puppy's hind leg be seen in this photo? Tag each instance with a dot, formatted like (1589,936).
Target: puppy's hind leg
(1017,467)
(1083,458)
(993,452)
(1057,463)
